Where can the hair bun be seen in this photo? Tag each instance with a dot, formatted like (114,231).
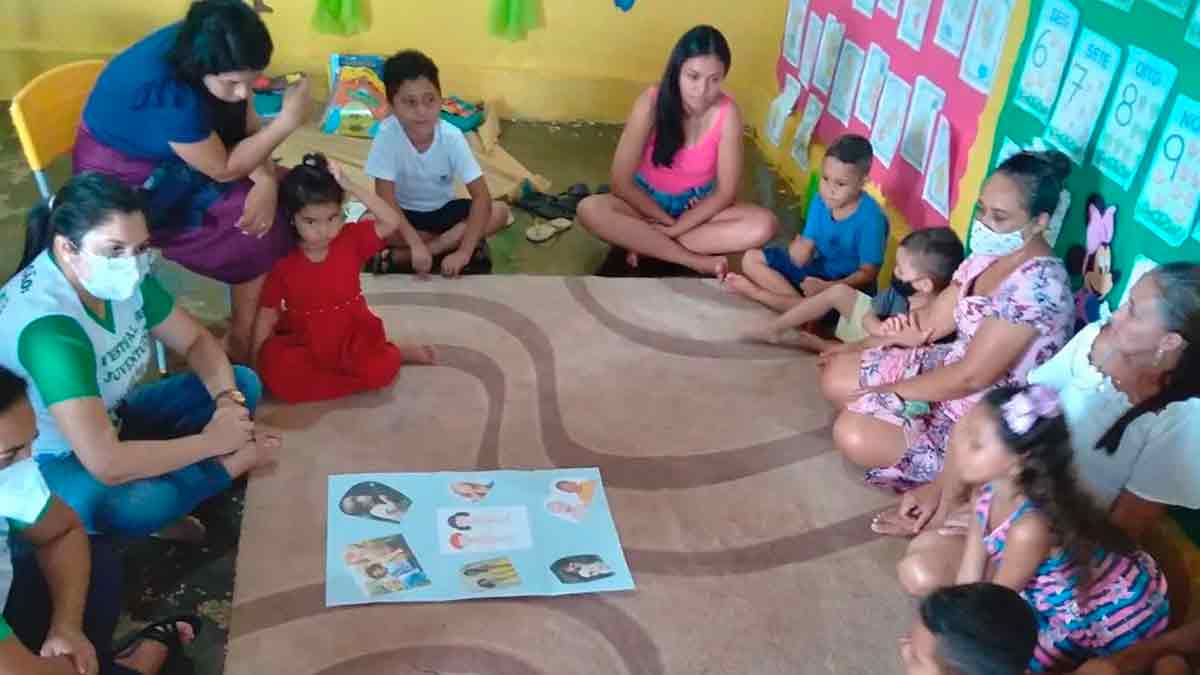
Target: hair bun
(316,160)
(1057,163)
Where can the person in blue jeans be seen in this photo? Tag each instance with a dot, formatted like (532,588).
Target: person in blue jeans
(843,242)
(76,323)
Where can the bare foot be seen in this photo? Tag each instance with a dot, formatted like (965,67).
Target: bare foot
(739,284)
(631,259)
(418,355)
(147,656)
(722,270)
(256,454)
(765,333)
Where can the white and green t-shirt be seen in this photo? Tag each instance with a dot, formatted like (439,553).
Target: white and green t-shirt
(65,351)
(24,499)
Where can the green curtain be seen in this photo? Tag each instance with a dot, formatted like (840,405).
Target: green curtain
(339,17)
(513,19)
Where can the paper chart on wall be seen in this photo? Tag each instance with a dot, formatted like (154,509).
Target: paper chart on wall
(1192,36)
(781,108)
(937,172)
(913,21)
(1171,191)
(1123,5)
(984,44)
(927,102)
(845,84)
(1047,58)
(827,54)
(871,85)
(865,7)
(951,31)
(793,36)
(1141,93)
(1085,88)
(812,40)
(889,7)
(889,119)
(804,130)
(1177,8)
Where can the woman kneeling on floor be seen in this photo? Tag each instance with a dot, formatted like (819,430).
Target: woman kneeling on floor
(76,323)
(677,168)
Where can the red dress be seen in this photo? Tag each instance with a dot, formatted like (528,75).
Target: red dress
(328,343)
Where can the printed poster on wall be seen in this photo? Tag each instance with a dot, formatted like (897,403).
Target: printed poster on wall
(889,7)
(937,174)
(1085,88)
(804,130)
(1171,191)
(874,73)
(889,119)
(1192,36)
(951,32)
(927,102)
(1123,5)
(1047,58)
(812,40)
(1138,101)
(912,23)
(1177,8)
(793,36)
(781,108)
(865,7)
(436,537)
(827,54)
(984,44)
(845,83)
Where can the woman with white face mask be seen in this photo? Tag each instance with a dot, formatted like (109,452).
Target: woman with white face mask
(1008,310)
(76,322)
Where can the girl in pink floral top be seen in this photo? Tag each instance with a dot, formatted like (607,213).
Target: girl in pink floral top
(1008,310)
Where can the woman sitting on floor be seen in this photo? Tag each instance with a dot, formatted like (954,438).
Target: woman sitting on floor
(77,326)
(1010,309)
(677,168)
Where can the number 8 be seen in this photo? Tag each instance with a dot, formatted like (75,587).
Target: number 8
(1129,96)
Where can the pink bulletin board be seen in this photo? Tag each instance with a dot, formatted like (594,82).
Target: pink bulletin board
(901,183)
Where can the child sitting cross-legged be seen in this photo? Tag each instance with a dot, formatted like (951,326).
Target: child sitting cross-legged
(925,264)
(844,237)
(314,336)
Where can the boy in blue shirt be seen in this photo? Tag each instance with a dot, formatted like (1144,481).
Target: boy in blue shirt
(415,159)
(842,243)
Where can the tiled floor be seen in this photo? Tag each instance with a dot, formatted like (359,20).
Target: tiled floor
(163,579)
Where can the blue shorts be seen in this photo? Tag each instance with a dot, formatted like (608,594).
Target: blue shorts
(778,259)
(674,204)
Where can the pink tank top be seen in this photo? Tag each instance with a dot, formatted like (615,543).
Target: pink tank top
(694,165)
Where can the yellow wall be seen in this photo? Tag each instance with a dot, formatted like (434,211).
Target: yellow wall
(588,62)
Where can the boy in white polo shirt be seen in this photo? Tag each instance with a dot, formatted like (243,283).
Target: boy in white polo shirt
(415,159)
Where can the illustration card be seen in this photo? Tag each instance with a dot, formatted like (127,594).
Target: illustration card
(927,102)
(1171,191)
(889,119)
(985,42)
(871,85)
(951,31)
(827,54)
(845,84)
(793,35)
(936,192)
(1046,58)
(1090,75)
(804,131)
(812,40)
(913,21)
(1139,99)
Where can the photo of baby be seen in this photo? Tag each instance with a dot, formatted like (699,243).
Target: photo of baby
(581,569)
(375,501)
(385,565)
(570,498)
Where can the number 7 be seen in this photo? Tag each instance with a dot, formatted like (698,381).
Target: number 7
(1077,82)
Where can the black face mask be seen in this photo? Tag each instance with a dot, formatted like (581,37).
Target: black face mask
(904,288)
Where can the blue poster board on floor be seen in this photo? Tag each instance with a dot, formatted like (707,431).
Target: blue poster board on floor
(436,537)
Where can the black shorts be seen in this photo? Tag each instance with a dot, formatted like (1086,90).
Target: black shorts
(454,212)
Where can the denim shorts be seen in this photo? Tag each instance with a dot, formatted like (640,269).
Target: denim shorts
(674,204)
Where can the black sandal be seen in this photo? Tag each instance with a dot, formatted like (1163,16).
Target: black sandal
(166,633)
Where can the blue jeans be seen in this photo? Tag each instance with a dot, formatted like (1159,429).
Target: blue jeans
(173,407)
(674,204)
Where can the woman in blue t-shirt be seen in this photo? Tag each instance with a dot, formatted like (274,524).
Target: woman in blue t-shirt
(172,113)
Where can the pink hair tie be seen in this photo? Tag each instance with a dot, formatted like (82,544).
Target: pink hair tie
(1026,407)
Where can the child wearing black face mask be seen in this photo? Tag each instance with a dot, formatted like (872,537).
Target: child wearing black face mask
(925,264)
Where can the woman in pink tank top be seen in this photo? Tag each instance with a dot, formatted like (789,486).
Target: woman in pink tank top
(677,168)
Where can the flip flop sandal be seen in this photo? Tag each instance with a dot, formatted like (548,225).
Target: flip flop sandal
(166,633)
(542,232)
(602,189)
(543,205)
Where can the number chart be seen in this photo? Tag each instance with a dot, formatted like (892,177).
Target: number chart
(1145,135)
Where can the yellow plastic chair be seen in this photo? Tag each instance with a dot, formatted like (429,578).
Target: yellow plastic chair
(46,114)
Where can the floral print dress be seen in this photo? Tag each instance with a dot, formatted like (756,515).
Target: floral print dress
(1037,294)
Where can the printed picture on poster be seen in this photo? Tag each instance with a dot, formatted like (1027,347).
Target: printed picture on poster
(804,131)
(845,83)
(793,35)
(812,41)
(1171,191)
(936,192)
(1140,96)
(889,119)
(889,7)
(913,21)
(1084,91)
(375,501)
(1094,262)
(985,41)
(951,31)
(827,54)
(927,102)
(1046,58)
(781,108)
(871,85)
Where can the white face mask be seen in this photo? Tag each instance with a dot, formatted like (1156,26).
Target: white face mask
(114,279)
(986,241)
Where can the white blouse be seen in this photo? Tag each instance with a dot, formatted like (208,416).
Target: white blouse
(1158,456)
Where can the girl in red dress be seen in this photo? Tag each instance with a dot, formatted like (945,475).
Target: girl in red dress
(314,336)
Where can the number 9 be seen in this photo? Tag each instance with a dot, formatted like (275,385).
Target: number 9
(1173,148)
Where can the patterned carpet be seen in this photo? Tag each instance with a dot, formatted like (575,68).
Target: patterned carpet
(746,533)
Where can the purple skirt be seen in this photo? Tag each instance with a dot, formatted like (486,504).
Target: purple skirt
(217,250)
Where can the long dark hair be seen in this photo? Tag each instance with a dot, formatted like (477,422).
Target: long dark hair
(309,182)
(981,628)
(1179,303)
(84,202)
(221,36)
(1047,478)
(1040,176)
(668,110)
